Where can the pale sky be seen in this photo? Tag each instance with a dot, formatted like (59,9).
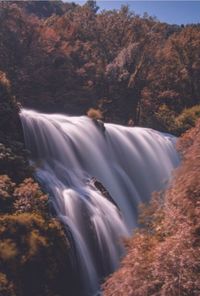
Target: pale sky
(173,12)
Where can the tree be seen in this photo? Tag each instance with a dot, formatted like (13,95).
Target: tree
(92,5)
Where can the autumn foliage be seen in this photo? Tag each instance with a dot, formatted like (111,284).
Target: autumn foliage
(163,255)
(34,249)
(111,65)
(69,58)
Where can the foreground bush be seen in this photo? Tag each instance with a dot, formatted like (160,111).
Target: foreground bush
(30,198)
(163,256)
(187,118)
(34,250)
(33,254)
(6,194)
(94,113)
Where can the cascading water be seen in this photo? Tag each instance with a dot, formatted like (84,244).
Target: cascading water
(130,162)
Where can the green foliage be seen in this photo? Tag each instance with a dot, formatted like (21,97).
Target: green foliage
(165,118)
(188,118)
(168,120)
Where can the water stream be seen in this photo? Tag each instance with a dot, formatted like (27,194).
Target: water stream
(131,163)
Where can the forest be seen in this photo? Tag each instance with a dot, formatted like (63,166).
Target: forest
(122,68)
(61,56)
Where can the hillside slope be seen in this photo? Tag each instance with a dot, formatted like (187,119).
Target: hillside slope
(67,58)
(163,256)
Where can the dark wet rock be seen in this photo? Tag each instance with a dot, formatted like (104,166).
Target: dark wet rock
(10,124)
(99,186)
(100,124)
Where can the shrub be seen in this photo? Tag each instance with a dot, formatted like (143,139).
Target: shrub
(34,253)
(6,194)
(6,286)
(94,113)
(8,250)
(187,118)
(165,118)
(30,198)
(13,161)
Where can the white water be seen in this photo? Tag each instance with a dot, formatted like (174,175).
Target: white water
(131,163)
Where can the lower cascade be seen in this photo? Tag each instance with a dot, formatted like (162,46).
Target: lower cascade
(69,154)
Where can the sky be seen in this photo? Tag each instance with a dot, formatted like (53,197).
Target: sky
(172,12)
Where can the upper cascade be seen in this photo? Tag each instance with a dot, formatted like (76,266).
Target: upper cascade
(130,162)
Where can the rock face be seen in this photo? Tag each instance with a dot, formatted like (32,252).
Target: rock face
(99,123)
(10,125)
(99,186)
(13,156)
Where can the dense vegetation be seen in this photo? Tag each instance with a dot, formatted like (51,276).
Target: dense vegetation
(123,68)
(136,70)
(163,255)
(34,249)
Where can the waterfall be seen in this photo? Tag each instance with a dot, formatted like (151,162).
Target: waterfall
(130,162)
